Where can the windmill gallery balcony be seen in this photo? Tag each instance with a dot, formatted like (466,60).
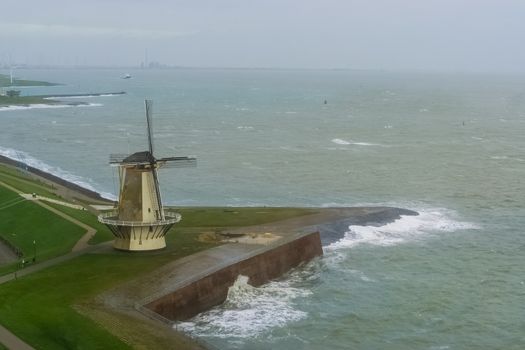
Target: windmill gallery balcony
(139,235)
(112,218)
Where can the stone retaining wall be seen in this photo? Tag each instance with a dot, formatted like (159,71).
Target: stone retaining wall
(212,289)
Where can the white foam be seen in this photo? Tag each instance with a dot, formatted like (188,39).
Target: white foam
(341,142)
(57,171)
(345,142)
(79,96)
(364,144)
(248,311)
(42,106)
(407,228)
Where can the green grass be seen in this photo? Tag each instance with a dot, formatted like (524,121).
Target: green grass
(7,197)
(211,218)
(235,217)
(18,179)
(103,233)
(5,80)
(3,347)
(24,100)
(39,308)
(26,222)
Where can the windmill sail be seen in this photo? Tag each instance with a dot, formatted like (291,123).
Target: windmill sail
(149,121)
(153,161)
(177,162)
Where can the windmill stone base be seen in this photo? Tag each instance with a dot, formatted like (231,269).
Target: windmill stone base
(139,245)
(139,236)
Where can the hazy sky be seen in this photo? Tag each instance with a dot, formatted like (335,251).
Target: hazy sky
(457,35)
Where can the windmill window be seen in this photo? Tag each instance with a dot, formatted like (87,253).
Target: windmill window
(149,210)
(150,229)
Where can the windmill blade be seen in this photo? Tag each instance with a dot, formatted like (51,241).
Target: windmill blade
(157,192)
(178,162)
(149,121)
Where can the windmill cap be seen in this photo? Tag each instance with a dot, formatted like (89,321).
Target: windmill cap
(140,157)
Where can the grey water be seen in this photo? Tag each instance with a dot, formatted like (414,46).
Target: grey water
(450,146)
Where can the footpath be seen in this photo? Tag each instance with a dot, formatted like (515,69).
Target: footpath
(7,338)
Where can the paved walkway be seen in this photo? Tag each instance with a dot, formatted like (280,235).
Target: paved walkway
(11,341)
(102,207)
(30,197)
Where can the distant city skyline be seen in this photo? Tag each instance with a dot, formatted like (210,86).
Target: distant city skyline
(468,35)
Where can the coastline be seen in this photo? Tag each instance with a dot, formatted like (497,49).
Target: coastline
(66,188)
(36,101)
(133,300)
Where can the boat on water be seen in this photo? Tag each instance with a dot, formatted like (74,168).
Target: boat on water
(127,76)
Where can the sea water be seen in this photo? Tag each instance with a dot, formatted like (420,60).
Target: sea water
(450,146)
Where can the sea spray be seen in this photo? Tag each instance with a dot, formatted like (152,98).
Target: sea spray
(248,311)
(406,228)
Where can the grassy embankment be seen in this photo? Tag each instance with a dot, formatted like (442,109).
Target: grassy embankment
(5,82)
(35,231)
(40,308)
(22,181)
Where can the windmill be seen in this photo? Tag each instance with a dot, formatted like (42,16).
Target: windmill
(140,221)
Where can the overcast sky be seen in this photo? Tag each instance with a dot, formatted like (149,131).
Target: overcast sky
(452,35)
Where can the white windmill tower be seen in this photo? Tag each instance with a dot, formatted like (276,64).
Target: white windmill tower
(140,221)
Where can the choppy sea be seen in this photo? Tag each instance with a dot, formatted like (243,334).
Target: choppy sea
(450,146)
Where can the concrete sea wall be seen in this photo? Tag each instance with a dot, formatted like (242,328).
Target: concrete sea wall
(212,289)
(53,178)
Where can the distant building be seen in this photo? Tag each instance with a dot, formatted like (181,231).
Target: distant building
(12,93)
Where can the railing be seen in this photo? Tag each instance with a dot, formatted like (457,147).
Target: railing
(11,246)
(111,218)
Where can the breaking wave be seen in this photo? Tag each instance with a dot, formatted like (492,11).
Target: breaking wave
(248,311)
(428,222)
(42,106)
(345,143)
